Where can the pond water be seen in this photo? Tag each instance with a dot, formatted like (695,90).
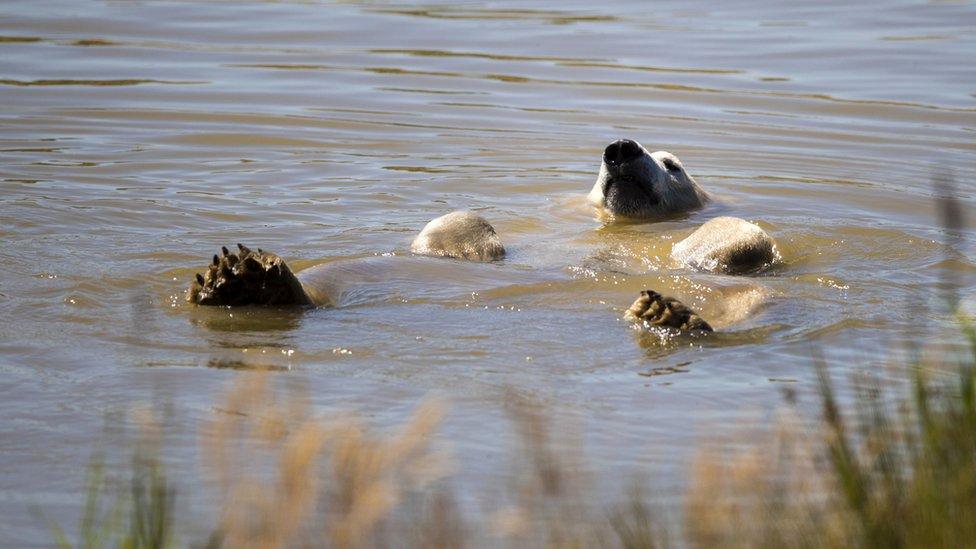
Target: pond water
(136,138)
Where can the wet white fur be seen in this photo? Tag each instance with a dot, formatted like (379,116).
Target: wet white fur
(678,192)
(726,245)
(460,234)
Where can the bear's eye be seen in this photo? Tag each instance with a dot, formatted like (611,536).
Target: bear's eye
(671,165)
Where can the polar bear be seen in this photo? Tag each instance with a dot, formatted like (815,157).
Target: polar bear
(634,184)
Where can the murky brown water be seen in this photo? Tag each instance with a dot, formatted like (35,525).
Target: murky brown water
(138,137)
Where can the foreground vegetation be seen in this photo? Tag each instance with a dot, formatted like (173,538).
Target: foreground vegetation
(896,471)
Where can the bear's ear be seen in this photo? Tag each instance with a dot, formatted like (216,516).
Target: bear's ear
(671,165)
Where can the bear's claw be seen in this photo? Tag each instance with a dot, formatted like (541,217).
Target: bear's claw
(657,310)
(246,278)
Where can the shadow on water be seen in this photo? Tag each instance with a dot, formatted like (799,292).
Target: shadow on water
(658,343)
(245,365)
(241,327)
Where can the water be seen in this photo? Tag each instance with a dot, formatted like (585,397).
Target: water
(138,137)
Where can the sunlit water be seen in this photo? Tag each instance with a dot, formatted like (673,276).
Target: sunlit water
(138,137)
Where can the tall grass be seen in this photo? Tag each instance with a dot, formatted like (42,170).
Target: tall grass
(911,481)
(894,471)
(139,518)
(286,477)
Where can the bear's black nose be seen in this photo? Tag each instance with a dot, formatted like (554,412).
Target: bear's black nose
(621,151)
